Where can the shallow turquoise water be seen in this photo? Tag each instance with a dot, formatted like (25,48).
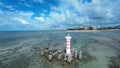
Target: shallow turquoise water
(101,49)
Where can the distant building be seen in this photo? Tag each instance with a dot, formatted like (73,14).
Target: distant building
(87,27)
(95,28)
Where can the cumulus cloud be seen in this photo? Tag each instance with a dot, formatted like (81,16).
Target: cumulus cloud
(41,19)
(20,20)
(96,12)
(56,20)
(67,14)
(17,20)
(40,1)
(7,6)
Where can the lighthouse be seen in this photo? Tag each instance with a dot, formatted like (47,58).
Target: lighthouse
(68,48)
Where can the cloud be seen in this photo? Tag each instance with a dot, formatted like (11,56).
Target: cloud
(39,1)
(27,5)
(17,20)
(25,14)
(7,6)
(96,11)
(57,20)
(66,14)
(20,20)
(57,16)
(41,19)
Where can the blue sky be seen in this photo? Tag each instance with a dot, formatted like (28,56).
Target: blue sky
(57,14)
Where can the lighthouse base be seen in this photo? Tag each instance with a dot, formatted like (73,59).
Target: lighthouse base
(68,57)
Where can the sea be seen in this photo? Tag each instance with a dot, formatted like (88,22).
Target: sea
(101,49)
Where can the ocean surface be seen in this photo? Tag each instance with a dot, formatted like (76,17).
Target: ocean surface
(101,49)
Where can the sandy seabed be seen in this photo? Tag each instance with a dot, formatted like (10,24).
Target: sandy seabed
(101,49)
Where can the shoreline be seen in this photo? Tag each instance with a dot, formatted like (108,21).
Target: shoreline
(82,30)
(88,30)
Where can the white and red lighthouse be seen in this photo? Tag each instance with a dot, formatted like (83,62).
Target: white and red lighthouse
(68,46)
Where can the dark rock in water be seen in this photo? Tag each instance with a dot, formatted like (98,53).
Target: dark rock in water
(73,41)
(55,50)
(1,63)
(115,62)
(55,44)
(87,57)
(21,62)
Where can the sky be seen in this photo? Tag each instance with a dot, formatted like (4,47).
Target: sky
(57,14)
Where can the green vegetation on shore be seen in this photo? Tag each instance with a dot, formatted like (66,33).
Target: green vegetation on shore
(95,28)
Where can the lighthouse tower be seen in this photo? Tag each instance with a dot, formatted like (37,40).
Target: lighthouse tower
(68,49)
(68,46)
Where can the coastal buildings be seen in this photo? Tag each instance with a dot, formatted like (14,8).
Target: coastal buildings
(87,28)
